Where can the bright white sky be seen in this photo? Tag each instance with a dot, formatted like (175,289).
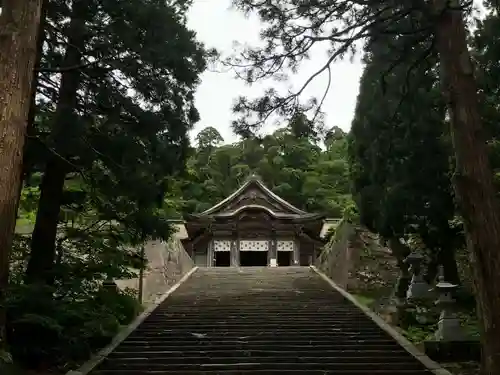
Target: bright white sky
(219,26)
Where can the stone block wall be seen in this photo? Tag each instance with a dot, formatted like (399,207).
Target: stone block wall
(355,260)
(336,259)
(167,263)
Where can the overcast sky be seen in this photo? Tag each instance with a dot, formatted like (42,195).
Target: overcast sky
(218,26)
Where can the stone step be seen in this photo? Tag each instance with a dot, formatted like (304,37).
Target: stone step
(249,336)
(238,330)
(269,322)
(254,364)
(299,310)
(272,319)
(258,321)
(257,344)
(325,351)
(260,342)
(208,359)
(265,372)
(245,329)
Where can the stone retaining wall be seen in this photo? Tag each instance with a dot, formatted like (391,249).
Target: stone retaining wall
(356,262)
(167,263)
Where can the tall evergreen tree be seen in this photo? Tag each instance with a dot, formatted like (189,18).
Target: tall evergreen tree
(290,34)
(18,34)
(115,123)
(399,154)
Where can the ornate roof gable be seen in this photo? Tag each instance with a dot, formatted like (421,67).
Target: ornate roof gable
(253,194)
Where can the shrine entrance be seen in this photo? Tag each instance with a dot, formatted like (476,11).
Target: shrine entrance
(253,227)
(253,259)
(284,258)
(285,250)
(254,253)
(222,253)
(222,259)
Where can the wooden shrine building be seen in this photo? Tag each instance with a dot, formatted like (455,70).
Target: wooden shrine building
(253,227)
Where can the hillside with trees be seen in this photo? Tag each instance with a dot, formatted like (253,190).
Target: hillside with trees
(306,168)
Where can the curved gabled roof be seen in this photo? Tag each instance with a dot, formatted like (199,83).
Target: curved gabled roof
(253,180)
(269,211)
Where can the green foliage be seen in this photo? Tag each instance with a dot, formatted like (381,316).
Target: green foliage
(418,334)
(399,155)
(107,147)
(122,148)
(399,159)
(138,65)
(486,53)
(5,358)
(350,212)
(290,161)
(330,235)
(48,331)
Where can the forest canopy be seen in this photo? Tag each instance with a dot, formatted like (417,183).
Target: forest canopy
(303,167)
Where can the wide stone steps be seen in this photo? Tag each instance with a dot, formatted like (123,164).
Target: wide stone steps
(258,321)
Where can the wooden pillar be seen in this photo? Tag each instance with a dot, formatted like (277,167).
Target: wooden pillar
(296,252)
(275,246)
(237,247)
(236,244)
(210,253)
(272,252)
(234,252)
(269,251)
(313,256)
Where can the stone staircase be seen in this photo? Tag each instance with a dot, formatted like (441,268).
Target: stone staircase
(258,321)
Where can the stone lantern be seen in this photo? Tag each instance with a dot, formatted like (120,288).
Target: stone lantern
(418,288)
(449,328)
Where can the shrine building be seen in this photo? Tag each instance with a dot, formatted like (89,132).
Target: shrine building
(253,227)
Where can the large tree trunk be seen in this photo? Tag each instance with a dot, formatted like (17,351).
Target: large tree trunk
(473,180)
(43,241)
(30,126)
(31,131)
(18,32)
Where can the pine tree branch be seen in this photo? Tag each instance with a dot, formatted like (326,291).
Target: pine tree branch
(64,69)
(288,43)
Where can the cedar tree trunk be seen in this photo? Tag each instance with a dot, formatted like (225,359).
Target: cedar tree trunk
(40,267)
(473,178)
(18,40)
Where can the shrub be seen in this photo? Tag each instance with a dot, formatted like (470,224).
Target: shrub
(46,330)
